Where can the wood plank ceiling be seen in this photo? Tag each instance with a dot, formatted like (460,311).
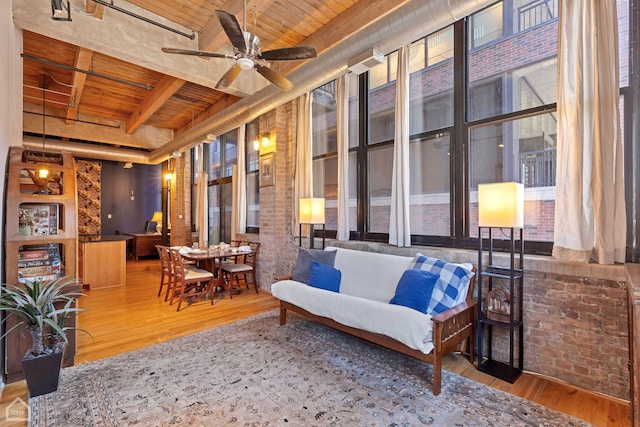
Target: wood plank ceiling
(156,99)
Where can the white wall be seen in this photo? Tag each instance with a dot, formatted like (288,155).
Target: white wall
(10,106)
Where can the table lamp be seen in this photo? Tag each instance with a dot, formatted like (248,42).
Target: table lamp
(157,218)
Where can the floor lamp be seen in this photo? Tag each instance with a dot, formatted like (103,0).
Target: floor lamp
(500,287)
(311,211)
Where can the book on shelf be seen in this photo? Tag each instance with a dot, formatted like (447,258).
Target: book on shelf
(42,262)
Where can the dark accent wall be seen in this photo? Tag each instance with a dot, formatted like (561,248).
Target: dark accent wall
(129,216)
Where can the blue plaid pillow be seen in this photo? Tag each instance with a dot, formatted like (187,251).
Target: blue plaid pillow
(452,285)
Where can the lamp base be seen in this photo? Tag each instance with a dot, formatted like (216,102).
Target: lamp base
(159,228)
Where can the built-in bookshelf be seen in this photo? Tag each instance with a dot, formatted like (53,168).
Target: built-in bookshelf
(41,239)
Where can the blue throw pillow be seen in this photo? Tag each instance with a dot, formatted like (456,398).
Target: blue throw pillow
(452,285)
(414,289)
(303,264)
(324,277)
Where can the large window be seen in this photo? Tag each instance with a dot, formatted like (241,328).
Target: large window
(221,154)
(482,109)
(511,102)
(324,150)
(253,187)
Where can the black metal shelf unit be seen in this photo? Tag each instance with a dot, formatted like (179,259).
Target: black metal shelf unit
(503,312)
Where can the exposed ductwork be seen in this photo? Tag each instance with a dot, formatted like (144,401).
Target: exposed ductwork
(90,151)
(415,19)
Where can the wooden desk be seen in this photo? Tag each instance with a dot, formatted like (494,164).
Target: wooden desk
(103,261)
(145,244)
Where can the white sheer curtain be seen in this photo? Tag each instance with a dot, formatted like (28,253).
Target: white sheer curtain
(342,111)
(303,186)
(590,217)
(202,202)
(239,192)
(399,232)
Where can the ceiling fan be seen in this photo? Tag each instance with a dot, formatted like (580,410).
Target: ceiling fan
(247,53)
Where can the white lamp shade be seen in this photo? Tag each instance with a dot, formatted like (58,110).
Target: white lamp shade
(501,205)
(311,211)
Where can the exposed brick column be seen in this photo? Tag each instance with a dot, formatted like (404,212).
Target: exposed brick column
(181,200)
(278,246)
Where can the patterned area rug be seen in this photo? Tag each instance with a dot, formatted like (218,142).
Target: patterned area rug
(256,373)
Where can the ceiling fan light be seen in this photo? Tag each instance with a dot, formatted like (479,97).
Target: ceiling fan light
(245,63)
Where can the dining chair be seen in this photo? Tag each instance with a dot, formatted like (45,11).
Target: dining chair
(189,283)
(245,268)
(166,270)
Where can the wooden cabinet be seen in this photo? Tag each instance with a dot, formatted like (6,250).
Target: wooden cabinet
(103,261)
(40,234)
(145,244)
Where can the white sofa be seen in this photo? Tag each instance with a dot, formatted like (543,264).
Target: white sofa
(362,308)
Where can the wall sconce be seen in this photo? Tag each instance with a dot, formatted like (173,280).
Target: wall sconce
(311,211)
(261,141)
(157,218)
(60,10)
(501,205)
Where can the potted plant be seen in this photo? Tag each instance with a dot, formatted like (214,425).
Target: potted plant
(43,307)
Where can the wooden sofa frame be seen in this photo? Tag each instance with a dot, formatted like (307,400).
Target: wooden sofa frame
(451,330)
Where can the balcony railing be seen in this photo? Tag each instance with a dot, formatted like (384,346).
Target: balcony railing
(536,12)
(539,168)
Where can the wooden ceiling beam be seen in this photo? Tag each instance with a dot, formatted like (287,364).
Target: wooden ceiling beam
(78,80)
(164,90)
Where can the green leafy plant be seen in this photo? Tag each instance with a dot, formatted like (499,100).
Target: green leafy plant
(42,307)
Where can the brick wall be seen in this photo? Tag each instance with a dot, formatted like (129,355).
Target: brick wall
(576,330)
(180,196)
(278,246)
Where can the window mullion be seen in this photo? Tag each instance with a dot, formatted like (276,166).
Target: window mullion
(361,154)
(459,137)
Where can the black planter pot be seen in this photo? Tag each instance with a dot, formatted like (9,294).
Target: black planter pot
(42,373)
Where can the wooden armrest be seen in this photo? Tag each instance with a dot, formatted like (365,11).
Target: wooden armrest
(453,311)
(278,278)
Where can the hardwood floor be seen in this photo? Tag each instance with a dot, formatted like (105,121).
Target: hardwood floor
(130,317)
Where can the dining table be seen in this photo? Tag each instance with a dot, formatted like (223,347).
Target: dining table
(212,258)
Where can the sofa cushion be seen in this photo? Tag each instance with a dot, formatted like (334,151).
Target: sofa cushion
(370,275)
(324,276)
(303,264)
(414,289)
(452,285)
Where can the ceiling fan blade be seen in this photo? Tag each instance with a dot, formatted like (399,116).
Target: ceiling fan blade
(229,76)
(196,53)
(275,78)
(231,26)
(289,53)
